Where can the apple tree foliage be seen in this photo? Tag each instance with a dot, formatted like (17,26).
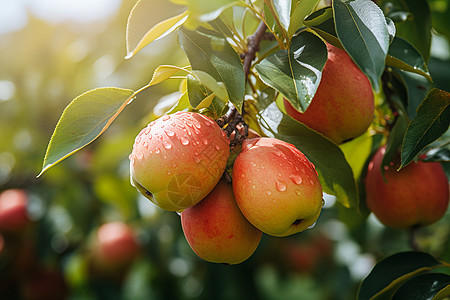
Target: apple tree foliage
(246,55)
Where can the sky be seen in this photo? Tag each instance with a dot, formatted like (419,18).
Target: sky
(14,13)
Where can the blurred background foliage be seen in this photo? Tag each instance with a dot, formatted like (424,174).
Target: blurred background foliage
(47,59)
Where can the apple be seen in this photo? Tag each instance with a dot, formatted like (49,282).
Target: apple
(417,195)
(343,105)
(178,159)
(276,187)
(115,246)
(13,210)
(217,231)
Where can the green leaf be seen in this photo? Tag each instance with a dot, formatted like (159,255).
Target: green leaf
(404,56)
(322,22)
(196,91)
(431,122)
(84,120)
(443,294)
(335,174)
(163,73)
(302,9)
(390,25)
(210,53)
(417,28)
(388,274)
(182,104)
(216,87)
(283,11)
(356,152)
(139,18)
(205,11)
(362,30)
(395,139)
(296,72)
(421,287)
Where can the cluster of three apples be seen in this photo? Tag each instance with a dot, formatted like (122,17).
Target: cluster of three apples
(178,161)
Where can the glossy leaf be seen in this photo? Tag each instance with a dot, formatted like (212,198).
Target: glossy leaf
(210,53)
(356,152)
(283,11)
(296,72)
(84,120)
(431,122)
(302,9)
(362,30)
(138,19)
(417,28)
(423,287)
(196,91)
(335,174)
(322,22)
(388,274)
(404,56)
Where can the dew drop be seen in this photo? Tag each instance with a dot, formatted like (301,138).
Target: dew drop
(145,144)
(167,144)
(147,130)
(217,147)
(138,139)
(358,77)
(197,132)
(254,186)
(207,122)
(205,142)
(188,123)
(140,155)
(268,192)
(151,123)
(157,150)
(298,193)
(254,164)
(279,154)
(196,159)
(242,175)
(169,173)
(311,182)
(198,125)
(165,118)
(170,133)
(174,165)
(281,186)
(297,179)
(312,226)
(130,156)
(184,141)
(279,174)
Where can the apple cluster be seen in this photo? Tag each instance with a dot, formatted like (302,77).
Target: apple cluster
(178,161)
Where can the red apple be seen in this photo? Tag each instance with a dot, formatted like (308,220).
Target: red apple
(178,159)
(13,210)
(216,229)
(417,195)
(343,105)
(276,187)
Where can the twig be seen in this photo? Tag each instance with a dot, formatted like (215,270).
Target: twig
(253,46)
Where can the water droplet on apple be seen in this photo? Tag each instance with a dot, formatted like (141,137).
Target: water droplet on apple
(184,141)
(165,118)
(157,150)
(198,125)
(196,159)
(217,147)
(297,179)
(205,142)
(268,192)
(147,130)
(167,144)
(170,132)
(145,144)
(281,186)
(207,122)
(139,155)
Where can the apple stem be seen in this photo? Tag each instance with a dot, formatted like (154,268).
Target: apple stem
(412,239)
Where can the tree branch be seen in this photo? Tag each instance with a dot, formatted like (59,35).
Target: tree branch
(253,47)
